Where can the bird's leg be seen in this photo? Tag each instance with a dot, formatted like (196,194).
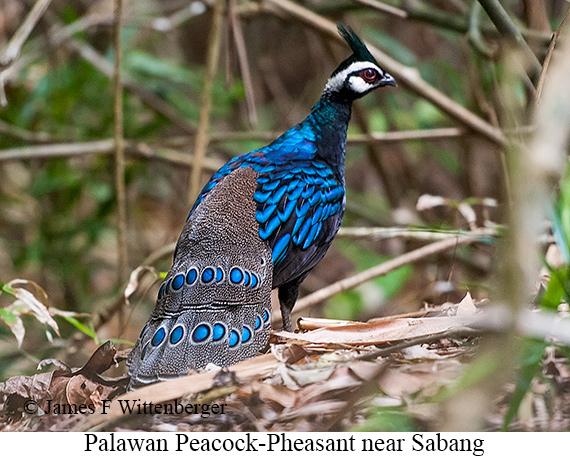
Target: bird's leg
(287,298)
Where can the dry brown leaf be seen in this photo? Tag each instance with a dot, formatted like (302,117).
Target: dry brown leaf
(366,371)
(373,333)
(466,307)
(32,387)
(38,290)
(134,279)
(409,379)
(340,380)
(60,391)
(61,367)
(419,352)
(319,408)
(293,353)
(101,360)
(28,303)
(15,323)
(80,390)
(160,392)
(269,393)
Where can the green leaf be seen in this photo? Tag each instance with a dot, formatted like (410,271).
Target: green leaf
(531,366)
(387,419)
(557,288)
(8,316)
(9,290)
(89,331)
(147,64)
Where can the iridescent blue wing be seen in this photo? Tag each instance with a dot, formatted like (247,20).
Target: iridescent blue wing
(295,144)
(299,210)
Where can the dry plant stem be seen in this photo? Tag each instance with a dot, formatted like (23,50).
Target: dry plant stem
(417,11)
(353,139)
(23,134)
(385,268)
(381,233)
(241,49)
(405,75)
(201,140)
(122,254)
(424,339)
(169,155)
(548,58)
(12,51)
(507,28)
(135,149)
(385,8)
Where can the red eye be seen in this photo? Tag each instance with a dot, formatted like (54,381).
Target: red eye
(369,75)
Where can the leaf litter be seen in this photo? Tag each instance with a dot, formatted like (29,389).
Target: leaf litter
(332,377)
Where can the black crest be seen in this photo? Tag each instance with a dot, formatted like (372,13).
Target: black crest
(359,49)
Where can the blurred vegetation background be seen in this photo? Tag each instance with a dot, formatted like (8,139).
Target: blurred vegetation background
(58,210)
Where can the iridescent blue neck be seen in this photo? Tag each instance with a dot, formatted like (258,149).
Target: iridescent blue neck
(329,120)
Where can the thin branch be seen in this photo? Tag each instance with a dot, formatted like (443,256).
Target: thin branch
(418,11)
(423,339)
(507,28)
(180,17)
(406,135)
(14,48)
(353,138)
(382,233)
(166,153)
(406,76)
(137,149)
(474,34)
(152,151)
(201,140)
(119,150)
(385,8)
(548,59)
(387,267)
(12,51)
(239,41)
(23,134)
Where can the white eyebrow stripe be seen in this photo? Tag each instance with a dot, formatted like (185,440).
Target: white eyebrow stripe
(336,82)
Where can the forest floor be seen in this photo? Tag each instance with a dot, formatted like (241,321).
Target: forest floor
(389,374)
